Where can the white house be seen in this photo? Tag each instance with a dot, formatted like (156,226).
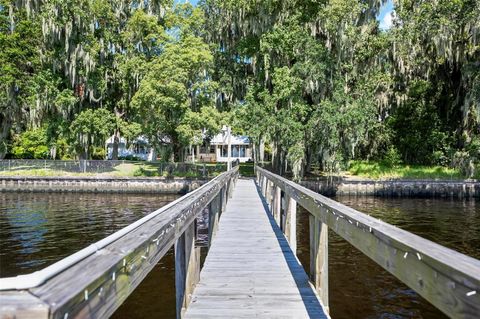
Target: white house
(138,148)
(217,149)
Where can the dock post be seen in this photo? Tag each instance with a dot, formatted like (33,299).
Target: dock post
(223,199)
(264,186)
(276,204)
(291,222)
(213,212)
(187,269)
(319,257)
(269,196)
(267,186)
(231,185)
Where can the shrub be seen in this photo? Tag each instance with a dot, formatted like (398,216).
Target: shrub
(392,157)
(41,152)
(31,144)
(99,153)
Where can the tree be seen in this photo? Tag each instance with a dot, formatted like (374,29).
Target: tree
(19,64)
(175,99)
(91,127)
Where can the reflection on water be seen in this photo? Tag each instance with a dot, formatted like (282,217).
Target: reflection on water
(359,288)
(38,229)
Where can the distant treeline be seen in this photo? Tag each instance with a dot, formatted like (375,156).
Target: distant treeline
(313,83)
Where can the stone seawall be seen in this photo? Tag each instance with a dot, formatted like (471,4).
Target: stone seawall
(100,185)
(398,188)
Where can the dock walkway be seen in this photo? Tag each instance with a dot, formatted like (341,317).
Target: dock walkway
(250,270)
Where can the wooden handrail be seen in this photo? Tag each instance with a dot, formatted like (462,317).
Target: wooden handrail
(98,284)
(446,278)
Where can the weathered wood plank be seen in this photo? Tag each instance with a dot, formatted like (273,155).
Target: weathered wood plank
(319,257)
(213,216)
(446,278)
(291,222)
(276,206)
(187,269)
(250,270)
(21,304)
(97,285)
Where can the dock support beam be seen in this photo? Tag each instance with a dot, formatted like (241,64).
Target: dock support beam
(319,258)
(213,216)
(187,269)
(290,229)
(276,204)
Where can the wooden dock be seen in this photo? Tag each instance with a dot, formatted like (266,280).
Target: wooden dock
(250,270)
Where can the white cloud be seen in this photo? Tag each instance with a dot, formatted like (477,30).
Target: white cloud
(387,21)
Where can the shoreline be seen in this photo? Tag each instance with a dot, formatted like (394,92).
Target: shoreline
(337,186)
(173,185)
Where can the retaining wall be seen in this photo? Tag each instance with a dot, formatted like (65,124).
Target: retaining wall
(397,188)
(100,185)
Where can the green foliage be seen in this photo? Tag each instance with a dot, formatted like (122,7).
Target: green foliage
(323,84)
(99,153)
(89,127)
(174,100)
(31,144)
(382,170)
(316,81)
(246,169)
(392,158)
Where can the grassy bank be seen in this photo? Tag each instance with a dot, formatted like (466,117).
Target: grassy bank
(128,169)
(379,170)
(246,169)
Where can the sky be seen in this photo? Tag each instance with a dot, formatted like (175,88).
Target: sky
(384,17)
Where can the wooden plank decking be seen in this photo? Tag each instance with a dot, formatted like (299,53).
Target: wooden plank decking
(250,270)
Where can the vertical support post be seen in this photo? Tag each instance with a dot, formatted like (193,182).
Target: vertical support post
(276,204)
(224,198)
(268,195)
(231,185)
(271,196)
(187,269)
(291,222)
(264,186)
(213,212)
(319,257)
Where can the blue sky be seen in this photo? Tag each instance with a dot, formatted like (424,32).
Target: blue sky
(194,2)
(384,17)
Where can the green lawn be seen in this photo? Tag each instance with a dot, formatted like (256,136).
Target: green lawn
(378,170)
(247,169)
(128,169)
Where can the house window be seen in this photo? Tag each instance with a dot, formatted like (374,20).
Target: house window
(237,151)
(212,149)
(224,150)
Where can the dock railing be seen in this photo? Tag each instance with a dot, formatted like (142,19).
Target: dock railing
(95,281)
(446,278)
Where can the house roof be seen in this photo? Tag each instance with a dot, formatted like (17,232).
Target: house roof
(138,140)
(221,139)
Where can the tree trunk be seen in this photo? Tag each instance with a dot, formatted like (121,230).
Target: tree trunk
(84,153)
(116,141)
(177,150)
(308,161)
(53,152)
(6,124)
(261,148)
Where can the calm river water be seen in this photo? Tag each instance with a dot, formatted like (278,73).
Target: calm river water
(39,229)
